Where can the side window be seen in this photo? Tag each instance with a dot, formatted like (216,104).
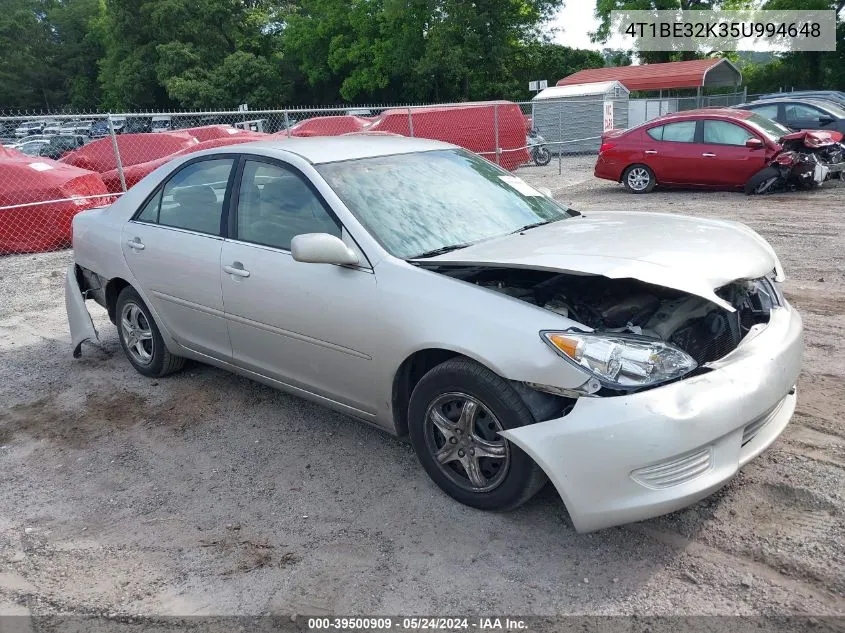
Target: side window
(800,112)
(724,133)
(275,204)
(768,111)
(681,132)
(656,133)
(150,212)
(193,198)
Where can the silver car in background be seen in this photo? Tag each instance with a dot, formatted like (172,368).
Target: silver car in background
(635,359)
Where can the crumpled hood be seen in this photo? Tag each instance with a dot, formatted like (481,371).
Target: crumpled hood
(693,255)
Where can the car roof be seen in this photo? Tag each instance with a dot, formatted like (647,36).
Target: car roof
(822,103)
(718,113)
(330,149)
(800,93)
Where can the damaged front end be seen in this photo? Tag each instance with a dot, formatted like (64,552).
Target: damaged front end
(628,334)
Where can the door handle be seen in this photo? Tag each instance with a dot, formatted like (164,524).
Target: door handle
(650,151)
(136,244)
(236,269)
(709,155)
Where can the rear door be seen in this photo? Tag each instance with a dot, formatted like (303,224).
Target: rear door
(728,163)
(672,153)
(172,246)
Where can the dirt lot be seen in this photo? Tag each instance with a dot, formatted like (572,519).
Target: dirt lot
(204,493)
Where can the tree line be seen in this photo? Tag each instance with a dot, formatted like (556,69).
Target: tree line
(216,54)
(198,54)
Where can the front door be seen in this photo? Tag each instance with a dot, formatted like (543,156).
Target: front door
(173,249)
(800,116)
(306,325)
(727,161)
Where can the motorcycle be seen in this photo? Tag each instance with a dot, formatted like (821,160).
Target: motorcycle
(540,154)
(805,161)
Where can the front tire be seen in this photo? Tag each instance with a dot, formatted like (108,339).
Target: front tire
(542,156)
(455,414)
(141,339)
(639,179)
(762,182)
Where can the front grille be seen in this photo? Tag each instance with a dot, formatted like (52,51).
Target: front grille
(751,430)
(675,471)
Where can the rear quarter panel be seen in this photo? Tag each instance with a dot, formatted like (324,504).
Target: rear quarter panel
(627,150)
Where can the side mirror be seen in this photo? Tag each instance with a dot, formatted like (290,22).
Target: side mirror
(825,120)
(322,248)
(754,143)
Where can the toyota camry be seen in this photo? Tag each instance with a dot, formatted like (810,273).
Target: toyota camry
(636,360)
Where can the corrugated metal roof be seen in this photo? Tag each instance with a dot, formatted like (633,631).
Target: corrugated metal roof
(579,90)
(690,74)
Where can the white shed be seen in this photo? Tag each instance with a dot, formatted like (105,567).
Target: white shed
(571,118)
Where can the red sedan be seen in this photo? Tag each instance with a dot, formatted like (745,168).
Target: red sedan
(709,148)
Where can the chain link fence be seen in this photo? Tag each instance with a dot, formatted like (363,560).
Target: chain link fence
(54,165)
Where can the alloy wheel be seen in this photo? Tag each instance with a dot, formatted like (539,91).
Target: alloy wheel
(638,178)
(137,333)
(462,435)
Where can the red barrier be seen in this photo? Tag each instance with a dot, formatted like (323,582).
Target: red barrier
(134,173)
(329,126)
(46,226)
(134,148)
(471,126)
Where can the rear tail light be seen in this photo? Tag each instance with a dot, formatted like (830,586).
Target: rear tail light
(606,146)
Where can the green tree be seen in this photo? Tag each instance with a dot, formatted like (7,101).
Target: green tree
(77,47)
(191,53)
(417,50)
(27,78)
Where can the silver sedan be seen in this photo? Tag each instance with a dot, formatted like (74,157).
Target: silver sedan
(636,360)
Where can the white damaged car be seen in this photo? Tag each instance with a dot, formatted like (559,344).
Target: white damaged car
(636,360)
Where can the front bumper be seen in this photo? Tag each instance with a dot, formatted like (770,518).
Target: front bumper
(626,458)
(835,168)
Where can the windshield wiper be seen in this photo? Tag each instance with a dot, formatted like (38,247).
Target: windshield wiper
(534,225)
(440,251)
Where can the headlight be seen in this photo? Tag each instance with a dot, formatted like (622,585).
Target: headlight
(622,361)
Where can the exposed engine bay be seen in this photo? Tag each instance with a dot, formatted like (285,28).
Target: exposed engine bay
(695,325)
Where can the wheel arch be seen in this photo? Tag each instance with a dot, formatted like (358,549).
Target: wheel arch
(543,406)
(114,287)
(634,163)
(406,377)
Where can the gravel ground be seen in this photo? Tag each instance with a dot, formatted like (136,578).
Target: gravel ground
(205,493)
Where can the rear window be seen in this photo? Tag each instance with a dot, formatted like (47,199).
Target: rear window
(680,132)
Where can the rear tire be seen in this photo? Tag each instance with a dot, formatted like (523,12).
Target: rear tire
(639,178)
(455,413)
(762,181)
(141,339)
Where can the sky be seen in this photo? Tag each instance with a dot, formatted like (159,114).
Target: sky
(574,23)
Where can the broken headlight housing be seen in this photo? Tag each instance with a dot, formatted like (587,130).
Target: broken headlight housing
(620,361)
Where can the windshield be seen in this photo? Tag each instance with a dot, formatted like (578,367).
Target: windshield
(768,127)
(831,107)
(426,201)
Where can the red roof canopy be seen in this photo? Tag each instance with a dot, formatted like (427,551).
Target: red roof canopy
(691,74)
